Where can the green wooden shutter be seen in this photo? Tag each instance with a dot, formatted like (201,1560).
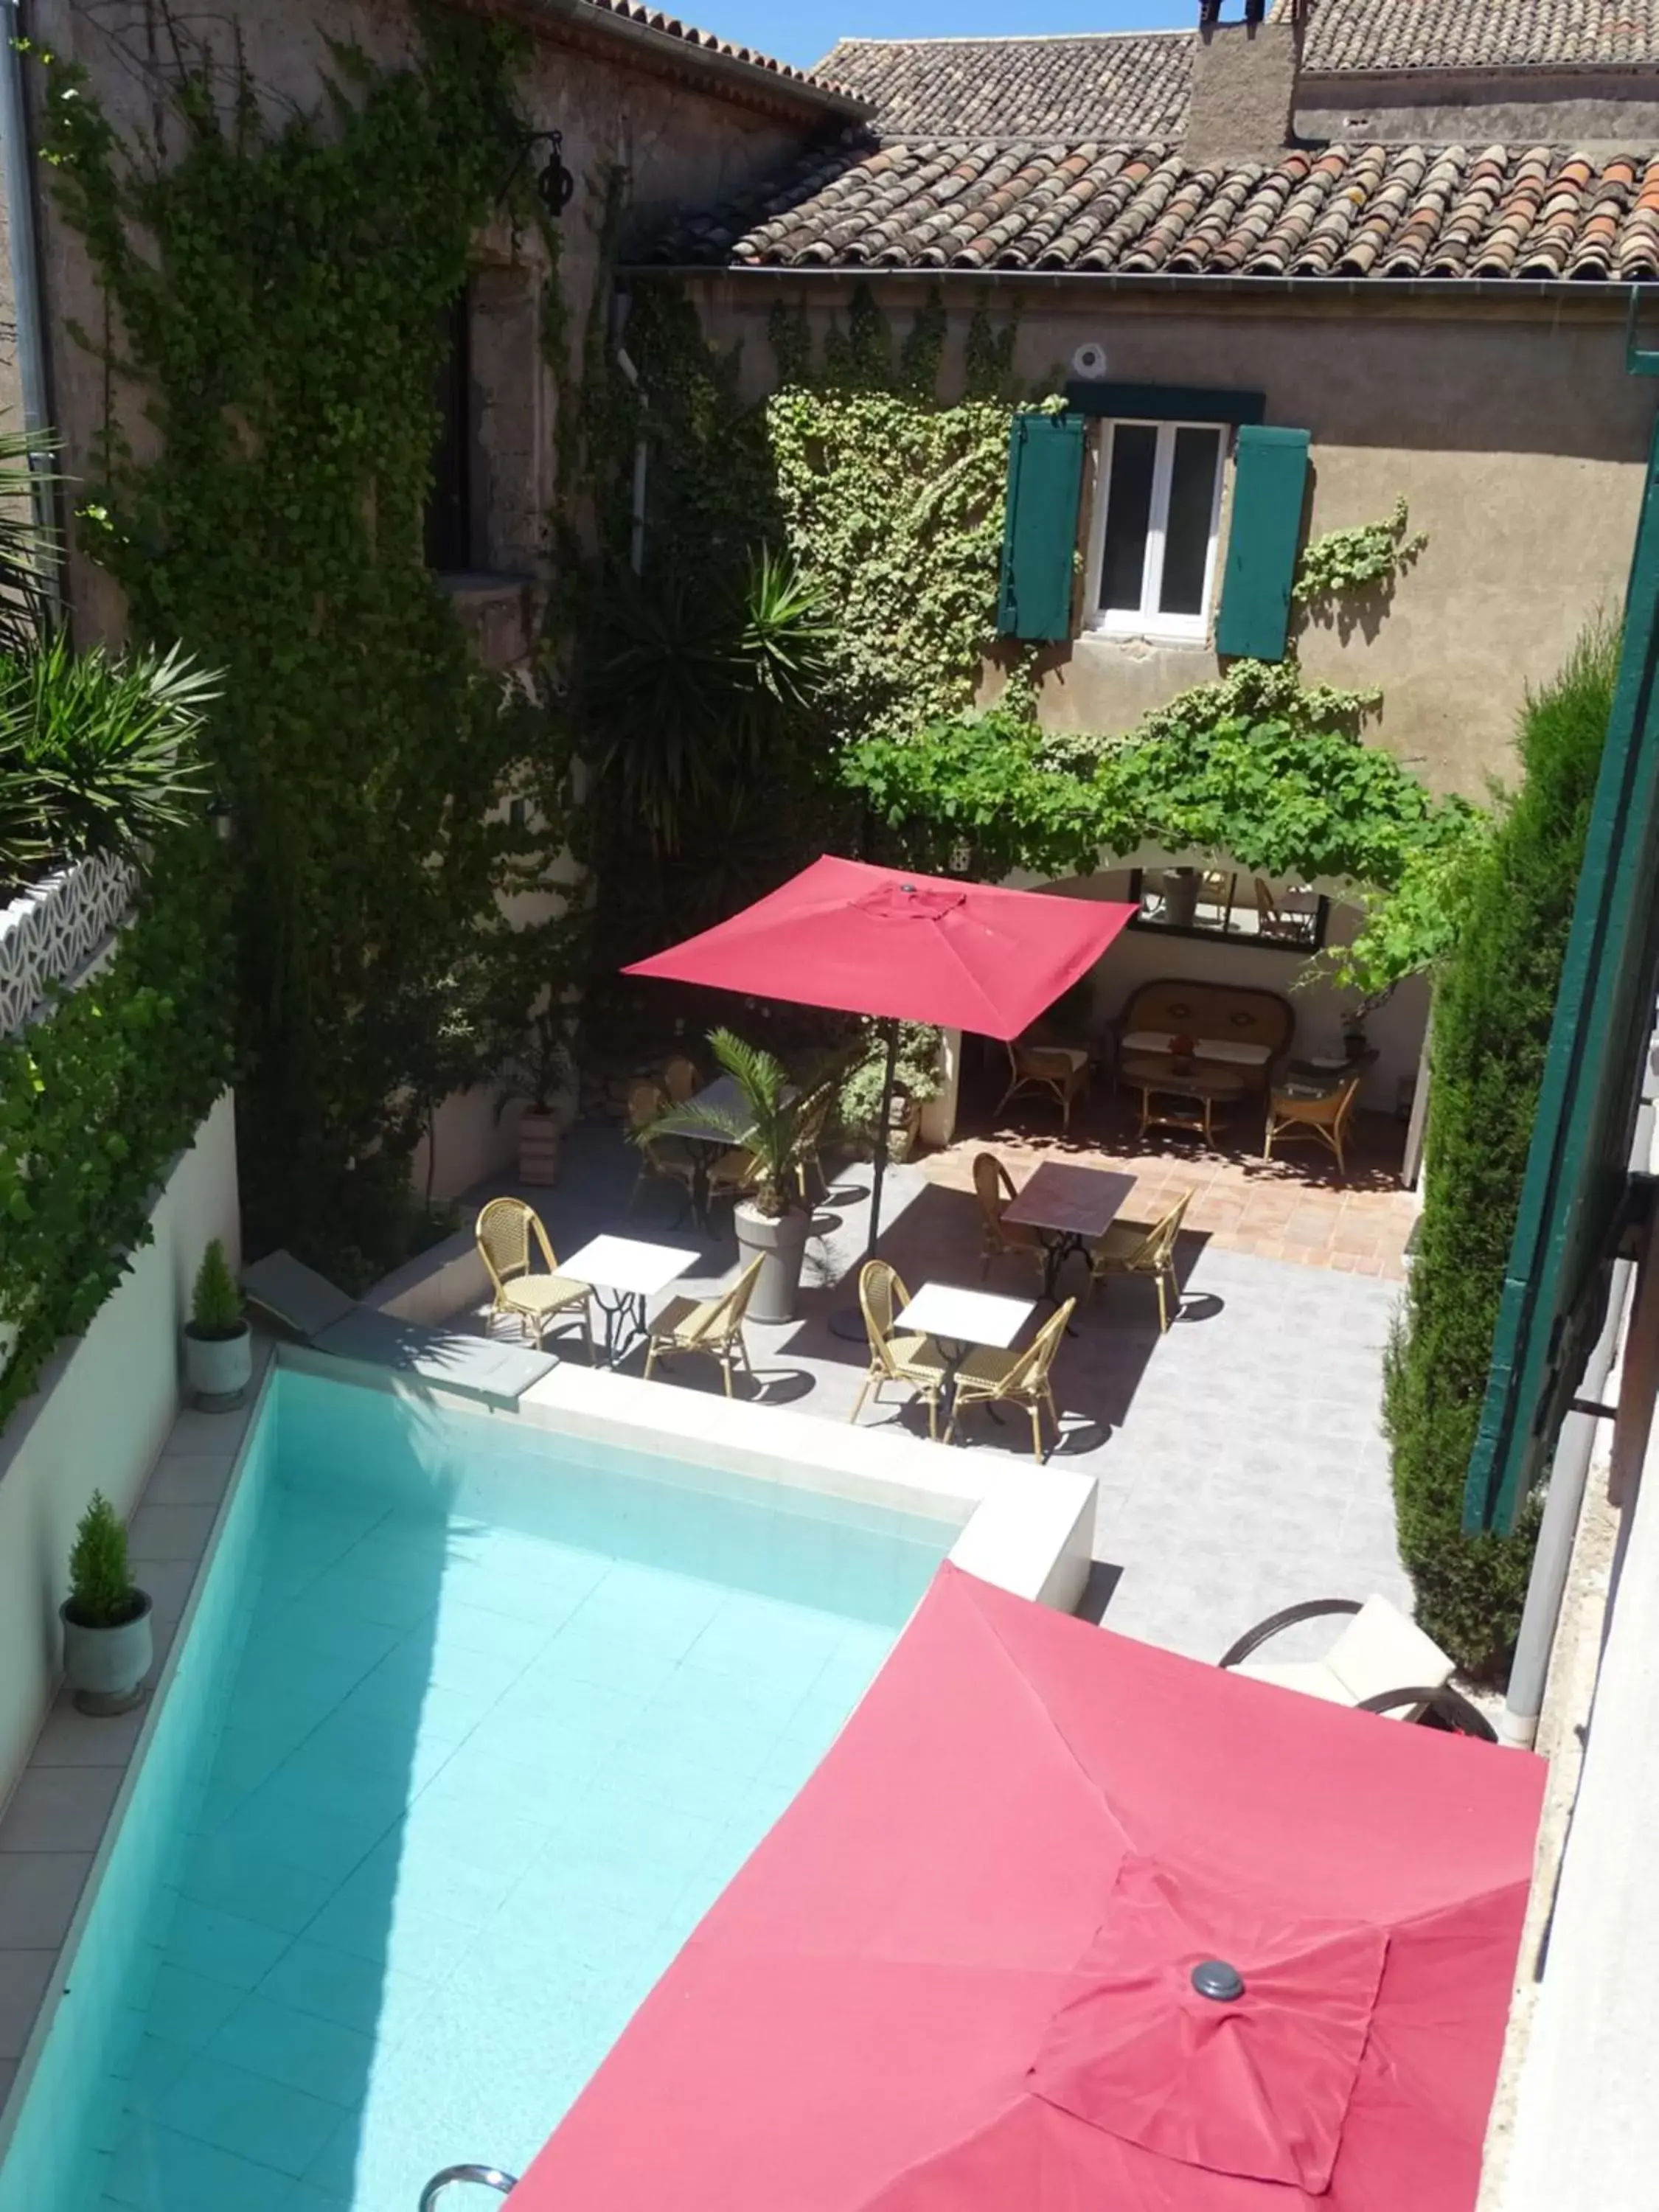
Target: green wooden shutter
(1039,529)
(1269,480)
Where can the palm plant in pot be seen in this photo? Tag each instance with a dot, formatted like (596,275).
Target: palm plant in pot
(106,1636)
(777,1126)
(218,1349)
(538,1072)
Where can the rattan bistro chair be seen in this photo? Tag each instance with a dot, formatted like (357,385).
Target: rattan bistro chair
(993,1187)
(713,1327)
(915,1361)
(1322,1114)
(1014,1378)
(662,1159)
(1131,1248)
(503,1233)
(1059,1071)
(680,1078)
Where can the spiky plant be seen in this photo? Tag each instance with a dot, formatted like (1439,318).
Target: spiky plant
(97,753)
(769,1122)
(29,550)
(101,1595)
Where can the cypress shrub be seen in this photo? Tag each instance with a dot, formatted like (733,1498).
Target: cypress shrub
(1493,1006)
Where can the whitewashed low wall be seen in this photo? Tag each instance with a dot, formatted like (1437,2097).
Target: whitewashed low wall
(103,1409)
(57,932)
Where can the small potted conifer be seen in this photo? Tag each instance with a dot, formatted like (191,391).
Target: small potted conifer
(106,1639)
(218,1349)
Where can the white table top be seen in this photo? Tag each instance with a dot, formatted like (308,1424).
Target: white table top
(1074,1201)
(725,1097)
(966,1317)
(628,1263)
(1243,1055)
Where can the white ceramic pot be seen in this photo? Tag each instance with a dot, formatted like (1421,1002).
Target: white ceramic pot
(1180,896)
(105,1667)
(218,1369)
(539,1149)
(780,1246)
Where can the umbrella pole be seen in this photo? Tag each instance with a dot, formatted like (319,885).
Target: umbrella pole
(848,1321)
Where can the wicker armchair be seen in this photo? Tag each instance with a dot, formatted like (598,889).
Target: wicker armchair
(713,1327)
(1060,1071)
(1132,1248)
(1321,1114)
(993,1187)
(1015,1378)
(916,1361)
(503,1234)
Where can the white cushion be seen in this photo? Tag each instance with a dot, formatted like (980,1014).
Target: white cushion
(1240,1055)
(1382,1650)
(1311,1676)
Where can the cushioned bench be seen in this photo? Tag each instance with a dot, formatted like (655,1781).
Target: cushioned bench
(1247,1030)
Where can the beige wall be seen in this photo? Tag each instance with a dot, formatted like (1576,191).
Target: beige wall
(102,1413)
(1518,440)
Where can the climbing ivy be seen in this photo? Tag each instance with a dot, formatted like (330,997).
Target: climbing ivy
(94,1101)
(278,290)
(1344,561)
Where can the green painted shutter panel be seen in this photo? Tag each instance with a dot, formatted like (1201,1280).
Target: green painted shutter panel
(1039,529)
(1270,479)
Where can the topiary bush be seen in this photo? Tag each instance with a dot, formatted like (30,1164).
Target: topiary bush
(101,1595)
(1493,1008)
(215,1305)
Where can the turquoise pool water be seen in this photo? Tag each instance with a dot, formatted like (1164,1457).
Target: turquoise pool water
(472,1725)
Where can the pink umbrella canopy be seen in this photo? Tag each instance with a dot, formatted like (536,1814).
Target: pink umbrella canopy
(878,941)
(1066,1924)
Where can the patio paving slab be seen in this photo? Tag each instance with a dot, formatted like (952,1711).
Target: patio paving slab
(1240,1461)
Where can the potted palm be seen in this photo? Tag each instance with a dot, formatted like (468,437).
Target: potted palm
(218,1349)
(106,1637)
(776,1124)
(539,1073)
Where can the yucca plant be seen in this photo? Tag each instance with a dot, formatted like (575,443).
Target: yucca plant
(770,1121)
(29,548)
(98,753)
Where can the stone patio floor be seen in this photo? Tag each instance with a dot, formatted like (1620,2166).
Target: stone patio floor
(1240,1462)
(1294,1206)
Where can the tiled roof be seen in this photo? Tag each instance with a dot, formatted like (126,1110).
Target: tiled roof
(1411,34)
(1121,84)
(653,19)
(1350,211)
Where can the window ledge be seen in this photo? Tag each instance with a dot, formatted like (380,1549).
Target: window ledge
(1149,633)
(481,583)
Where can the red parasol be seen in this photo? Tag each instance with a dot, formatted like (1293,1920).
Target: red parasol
(1064,1921)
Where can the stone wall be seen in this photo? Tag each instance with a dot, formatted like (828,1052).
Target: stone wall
(1509,427)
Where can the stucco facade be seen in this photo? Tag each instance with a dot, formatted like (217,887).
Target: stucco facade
(1509,426)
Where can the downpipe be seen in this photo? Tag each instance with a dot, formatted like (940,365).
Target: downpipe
(23,250)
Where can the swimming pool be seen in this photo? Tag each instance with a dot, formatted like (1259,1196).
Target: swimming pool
(471,1725)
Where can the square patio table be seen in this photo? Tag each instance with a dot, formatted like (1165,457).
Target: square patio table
(957,1320)
(1072,1207)
(724,1096)
(622,1272)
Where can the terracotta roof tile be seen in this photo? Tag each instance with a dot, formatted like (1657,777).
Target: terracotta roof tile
(1116,84)
(1345,211)
(655,19)
(1418,34)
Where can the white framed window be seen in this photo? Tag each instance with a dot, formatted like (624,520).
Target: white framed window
(1152,536)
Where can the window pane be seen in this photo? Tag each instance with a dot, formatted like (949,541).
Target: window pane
(1128,509)
(1192,502)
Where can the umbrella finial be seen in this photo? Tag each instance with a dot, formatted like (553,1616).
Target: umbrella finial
(1214,1978)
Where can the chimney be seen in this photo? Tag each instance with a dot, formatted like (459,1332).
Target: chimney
(1245,83)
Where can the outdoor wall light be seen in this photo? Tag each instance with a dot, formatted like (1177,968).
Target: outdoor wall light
(555,185)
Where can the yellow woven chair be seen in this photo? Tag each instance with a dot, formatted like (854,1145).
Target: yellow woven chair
(662,1159)
(1060,1071)
(1131,1248)
(993,1187)
(711,1326)
(1014,1378)
(681,1079)
(503,1233)
(915,1360)
(809,1142)
(1322,1116)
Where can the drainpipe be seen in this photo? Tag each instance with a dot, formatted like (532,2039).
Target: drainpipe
(25,261)
(619,306)
(1517,1724)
